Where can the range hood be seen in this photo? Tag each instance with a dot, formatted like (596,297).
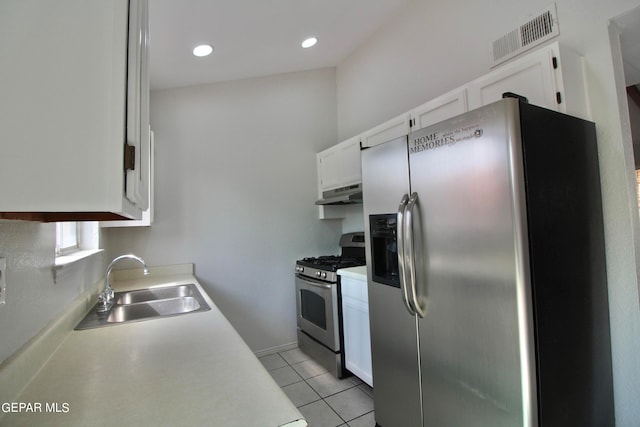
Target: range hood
(342,196)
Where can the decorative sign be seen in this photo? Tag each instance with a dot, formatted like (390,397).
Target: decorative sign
(447,138)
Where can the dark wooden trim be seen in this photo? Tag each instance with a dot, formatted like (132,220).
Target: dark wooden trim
(634,94)
(62,216)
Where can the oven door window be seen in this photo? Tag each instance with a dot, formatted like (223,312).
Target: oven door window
(313,308)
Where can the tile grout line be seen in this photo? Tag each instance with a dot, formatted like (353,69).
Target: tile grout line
(323,398)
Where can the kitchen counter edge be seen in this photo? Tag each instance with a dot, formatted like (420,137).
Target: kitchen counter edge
(193,368)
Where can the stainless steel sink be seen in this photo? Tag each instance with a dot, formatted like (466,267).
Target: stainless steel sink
(146,304)
(144,295)
(144,310)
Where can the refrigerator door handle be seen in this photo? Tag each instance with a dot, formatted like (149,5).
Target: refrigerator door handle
(401,253)
(410,255)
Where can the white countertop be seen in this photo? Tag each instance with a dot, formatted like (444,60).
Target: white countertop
(188,370)
(354,272)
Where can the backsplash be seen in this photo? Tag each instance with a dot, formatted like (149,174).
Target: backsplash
(33,300)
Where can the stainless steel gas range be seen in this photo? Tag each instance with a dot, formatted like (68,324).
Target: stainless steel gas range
(319,307)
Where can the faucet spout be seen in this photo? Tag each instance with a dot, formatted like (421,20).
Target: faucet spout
(106,297)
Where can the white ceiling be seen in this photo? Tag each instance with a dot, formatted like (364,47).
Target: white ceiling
(255,38)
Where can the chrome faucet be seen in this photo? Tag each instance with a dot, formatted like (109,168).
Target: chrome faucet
(105,299)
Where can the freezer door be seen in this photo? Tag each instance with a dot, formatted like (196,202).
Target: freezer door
(474,337)
(394,347)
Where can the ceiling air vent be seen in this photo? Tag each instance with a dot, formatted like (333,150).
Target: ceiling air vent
(531,33)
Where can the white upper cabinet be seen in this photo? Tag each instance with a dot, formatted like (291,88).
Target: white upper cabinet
(74,94)
(147,215)
(137,181)
(441,108)
(350,168)
(328,169)
(339,166)
(391,129)
(551,77)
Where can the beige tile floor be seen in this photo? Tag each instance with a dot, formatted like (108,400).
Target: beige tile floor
(324,400)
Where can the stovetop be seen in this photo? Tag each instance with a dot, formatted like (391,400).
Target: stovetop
(324,267)
(331,262)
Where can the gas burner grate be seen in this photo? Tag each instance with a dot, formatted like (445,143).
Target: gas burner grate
(332,262)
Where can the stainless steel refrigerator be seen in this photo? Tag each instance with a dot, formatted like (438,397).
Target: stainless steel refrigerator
(486,268)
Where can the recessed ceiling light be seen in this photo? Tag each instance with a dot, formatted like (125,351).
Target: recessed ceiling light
(202,50)
(309,42)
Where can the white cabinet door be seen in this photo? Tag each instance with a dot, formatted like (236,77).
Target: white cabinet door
(349,162)
(441,108)
(63,110)
(137,185)
(147,215)
(391,129)
(357,337)
(552,77)
(339,165)
(530,76)
(328,169)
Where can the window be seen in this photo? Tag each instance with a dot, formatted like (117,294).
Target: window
(77,237)
(67,237)
(75,241)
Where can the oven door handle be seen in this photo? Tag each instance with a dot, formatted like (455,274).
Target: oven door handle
(402,266)
(312,282)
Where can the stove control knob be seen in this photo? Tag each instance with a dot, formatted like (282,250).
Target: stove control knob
(299,268)
(318,274)
(324,275)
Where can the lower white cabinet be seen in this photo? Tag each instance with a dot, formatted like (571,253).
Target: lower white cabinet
(355,318)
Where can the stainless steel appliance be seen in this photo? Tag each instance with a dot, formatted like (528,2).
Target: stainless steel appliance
(351,194)
(319,311)
(487,281)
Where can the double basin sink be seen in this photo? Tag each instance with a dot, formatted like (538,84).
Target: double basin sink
(146,304)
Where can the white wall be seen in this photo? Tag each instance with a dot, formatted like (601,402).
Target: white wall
(235,186)
(431,47)
(32,298)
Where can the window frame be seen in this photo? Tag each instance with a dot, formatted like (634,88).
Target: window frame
(63,233)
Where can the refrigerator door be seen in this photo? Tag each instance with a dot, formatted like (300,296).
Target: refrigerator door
(396,379)
(471,279)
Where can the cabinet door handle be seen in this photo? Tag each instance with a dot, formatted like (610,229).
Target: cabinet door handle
(129,157)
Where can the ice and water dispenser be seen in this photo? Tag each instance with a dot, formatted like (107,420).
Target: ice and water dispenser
(384,249)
